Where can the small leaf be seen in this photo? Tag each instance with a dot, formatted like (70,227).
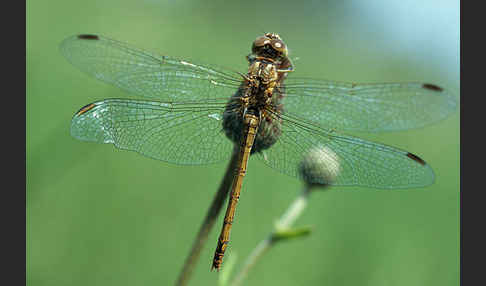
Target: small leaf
(291,233)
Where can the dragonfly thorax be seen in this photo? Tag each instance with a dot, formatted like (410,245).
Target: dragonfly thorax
(259,95)
(261,82)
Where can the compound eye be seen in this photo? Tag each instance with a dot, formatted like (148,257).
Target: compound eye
(261,41)
(279,46)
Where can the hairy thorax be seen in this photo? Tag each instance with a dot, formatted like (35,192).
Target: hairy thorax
(260,94)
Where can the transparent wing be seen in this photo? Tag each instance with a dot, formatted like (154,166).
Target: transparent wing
(350,161)
(367,107)
(146,74)
(184,133)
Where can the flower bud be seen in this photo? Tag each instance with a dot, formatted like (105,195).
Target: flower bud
(320,166)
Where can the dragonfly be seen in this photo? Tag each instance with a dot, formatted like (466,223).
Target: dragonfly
(193,113)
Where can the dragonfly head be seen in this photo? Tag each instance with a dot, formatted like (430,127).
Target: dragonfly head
(270,45)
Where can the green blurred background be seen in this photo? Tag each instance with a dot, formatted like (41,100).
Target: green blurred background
(100,216)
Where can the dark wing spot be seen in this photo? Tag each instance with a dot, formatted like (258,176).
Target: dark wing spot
(432,87)
(416,158)
(88,37)
(85,108)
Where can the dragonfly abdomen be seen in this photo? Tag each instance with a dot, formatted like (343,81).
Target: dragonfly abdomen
(251,123)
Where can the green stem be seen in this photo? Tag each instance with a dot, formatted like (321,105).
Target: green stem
(285,222)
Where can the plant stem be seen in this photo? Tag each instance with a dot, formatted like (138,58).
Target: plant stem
(285,221)
(209,220)
(294,210)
